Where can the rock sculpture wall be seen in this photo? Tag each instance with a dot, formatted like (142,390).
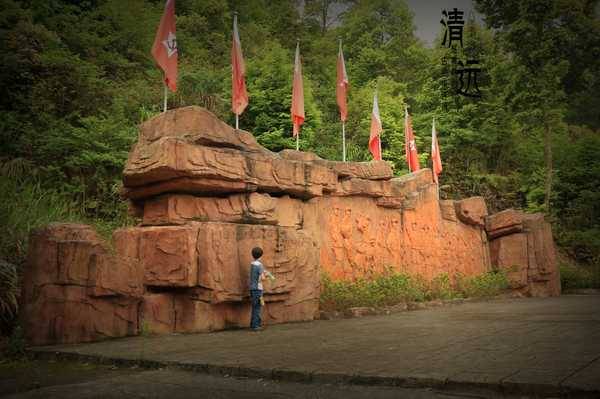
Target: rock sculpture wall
(522,245)
(206,194)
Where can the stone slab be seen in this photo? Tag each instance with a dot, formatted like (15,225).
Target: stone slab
(256,208)
(505,222)
(163,163)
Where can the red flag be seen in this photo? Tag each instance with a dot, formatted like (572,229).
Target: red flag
(376,129)
(436,158)
(297,109)
(410,146)
(239,95)
(341,89)
(164,49)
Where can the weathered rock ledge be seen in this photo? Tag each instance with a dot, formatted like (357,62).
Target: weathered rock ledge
(207,193)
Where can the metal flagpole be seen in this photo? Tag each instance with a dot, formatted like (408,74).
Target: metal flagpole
(165,99)
(437,149)
(237,121)
(380,153)
(298,142)
(344,141)
(406,143)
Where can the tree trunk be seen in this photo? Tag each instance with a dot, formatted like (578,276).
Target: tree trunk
(324,13)
(548,162)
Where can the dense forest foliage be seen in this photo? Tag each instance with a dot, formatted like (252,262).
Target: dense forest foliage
(78,77)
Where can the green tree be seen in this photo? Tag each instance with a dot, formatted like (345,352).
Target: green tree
(538,33)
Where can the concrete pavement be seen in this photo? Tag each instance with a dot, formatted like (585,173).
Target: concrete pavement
(534,346)
(169,383)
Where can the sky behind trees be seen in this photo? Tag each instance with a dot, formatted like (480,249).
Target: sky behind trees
(429,12)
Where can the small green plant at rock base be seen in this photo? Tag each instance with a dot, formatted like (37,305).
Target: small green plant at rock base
(9,293)
(145,329)
(15,348)
(441,288)
(484,285)
(144,333)
(391,288)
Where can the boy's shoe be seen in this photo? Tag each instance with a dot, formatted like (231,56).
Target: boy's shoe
(257,329)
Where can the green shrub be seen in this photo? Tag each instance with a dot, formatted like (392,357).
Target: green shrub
(441,287)
(581,245)
(485,285)
(384,290)
(572,276)
(392,288)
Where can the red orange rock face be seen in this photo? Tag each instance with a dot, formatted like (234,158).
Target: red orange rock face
(207,194)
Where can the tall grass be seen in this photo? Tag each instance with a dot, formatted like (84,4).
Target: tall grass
(26,206)
(9,294)
(392,288)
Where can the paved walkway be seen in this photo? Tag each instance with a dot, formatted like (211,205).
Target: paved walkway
(169,383)
(541,346)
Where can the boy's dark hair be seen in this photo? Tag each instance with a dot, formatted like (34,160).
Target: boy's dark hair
(257,252)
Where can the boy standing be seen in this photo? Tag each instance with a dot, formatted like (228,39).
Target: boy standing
(257,275)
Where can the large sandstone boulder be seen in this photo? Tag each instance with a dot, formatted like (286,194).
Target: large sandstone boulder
(522,245)
(73,254)
(190,150)
(509,253)
(75,289)
(67,314)
(199,126)
(502,223)
(471,211)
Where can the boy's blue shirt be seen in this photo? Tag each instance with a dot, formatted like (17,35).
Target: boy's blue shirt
(256,269)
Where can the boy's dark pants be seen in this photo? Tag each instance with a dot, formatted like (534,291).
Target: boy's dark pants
(255,320)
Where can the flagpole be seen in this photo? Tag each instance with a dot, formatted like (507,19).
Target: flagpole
(380,153)
(298,133)
(344,141)
(437,180)
(165,98)
(237,118)
(405,138)
(437,149)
